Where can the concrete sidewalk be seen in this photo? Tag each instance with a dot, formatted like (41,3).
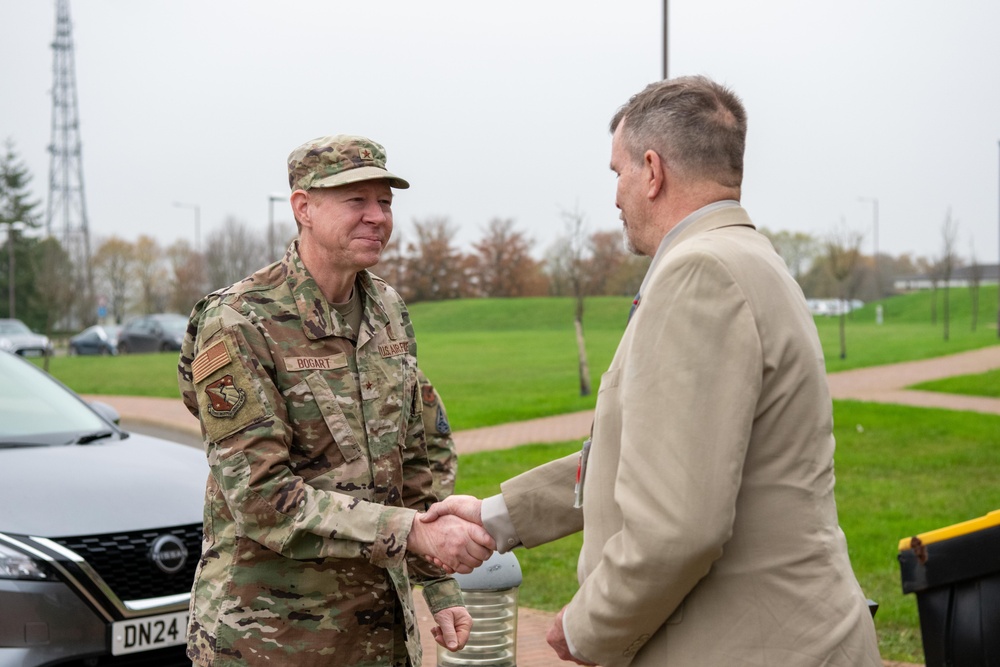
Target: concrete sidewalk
(884,384)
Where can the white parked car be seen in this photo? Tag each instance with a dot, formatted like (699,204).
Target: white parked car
(16,337)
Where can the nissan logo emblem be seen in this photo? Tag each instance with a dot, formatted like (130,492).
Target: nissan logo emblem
(168,553)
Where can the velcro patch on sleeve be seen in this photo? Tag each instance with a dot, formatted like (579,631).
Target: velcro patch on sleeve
(210,360)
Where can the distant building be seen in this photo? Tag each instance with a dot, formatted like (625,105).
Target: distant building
(832,307)
(960,277)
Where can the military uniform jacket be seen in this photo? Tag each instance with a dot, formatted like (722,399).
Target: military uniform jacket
(710,531)
(314,478)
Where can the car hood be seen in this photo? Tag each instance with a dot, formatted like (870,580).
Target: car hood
(104,487)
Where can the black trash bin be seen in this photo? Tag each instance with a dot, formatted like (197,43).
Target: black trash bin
(955,573)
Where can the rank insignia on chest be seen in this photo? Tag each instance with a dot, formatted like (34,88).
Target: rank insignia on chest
(226,398)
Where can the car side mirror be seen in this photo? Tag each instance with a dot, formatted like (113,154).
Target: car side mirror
(106,411)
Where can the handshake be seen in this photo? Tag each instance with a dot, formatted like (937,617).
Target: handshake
(451,535)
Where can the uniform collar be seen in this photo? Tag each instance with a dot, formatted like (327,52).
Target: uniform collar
(319,319)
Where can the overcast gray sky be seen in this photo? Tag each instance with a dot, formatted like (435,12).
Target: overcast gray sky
(501,109)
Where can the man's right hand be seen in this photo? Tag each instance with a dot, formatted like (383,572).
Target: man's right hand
(451,542)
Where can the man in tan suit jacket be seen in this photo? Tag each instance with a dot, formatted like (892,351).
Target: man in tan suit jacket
(709,522)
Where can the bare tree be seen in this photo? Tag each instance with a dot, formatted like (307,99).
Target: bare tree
(576,246)
(975,280)
(503,264)
(606,256)
(151,275)
(949,260)
(843,250)
(392,266)
(233,252)
(557,267)
(435,269)
(112,262)
(188,269)
(798,249)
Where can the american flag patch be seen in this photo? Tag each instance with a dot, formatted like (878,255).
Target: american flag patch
(212,359)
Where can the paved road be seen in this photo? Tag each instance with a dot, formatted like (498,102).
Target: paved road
(887,384)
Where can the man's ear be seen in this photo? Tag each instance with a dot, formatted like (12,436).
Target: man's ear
(655,172)
(300,207)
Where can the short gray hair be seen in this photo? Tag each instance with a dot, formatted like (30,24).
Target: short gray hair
(696,125)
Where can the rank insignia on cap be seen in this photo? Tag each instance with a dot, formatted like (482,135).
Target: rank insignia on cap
(225,396)
(365,154)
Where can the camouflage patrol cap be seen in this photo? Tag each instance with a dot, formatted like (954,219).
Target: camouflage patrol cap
(327,162)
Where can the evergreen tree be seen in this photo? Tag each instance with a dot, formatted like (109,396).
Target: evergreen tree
(16,205)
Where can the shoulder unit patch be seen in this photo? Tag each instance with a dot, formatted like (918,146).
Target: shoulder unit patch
(225,397)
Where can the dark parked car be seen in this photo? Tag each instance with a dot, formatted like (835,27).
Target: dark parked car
(98,339)
(100,531)
(153,333)
(16,337)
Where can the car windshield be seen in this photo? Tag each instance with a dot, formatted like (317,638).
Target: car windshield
(13,327)
(36,410)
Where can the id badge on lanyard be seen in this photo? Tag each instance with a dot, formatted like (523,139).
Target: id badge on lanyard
(581,474)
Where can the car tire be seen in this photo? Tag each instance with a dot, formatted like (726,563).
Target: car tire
(122,348)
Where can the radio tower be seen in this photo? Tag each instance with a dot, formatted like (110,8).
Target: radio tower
(67,210)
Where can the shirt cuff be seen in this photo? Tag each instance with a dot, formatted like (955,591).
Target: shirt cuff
(496,521)
(569,641)
(391,535)
(442,594)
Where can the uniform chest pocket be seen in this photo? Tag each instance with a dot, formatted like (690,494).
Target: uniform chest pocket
(312,406)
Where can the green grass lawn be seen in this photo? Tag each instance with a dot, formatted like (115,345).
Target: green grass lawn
(900,471)
(908,333)
(501,360)
(980,384)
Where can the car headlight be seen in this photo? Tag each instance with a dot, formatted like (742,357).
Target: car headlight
(16,565)
(6,345)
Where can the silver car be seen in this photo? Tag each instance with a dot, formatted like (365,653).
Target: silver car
(16,337)
(100,531)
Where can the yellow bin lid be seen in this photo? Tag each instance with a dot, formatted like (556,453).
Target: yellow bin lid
(990,520)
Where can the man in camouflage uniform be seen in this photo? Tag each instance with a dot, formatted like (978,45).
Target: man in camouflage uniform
(440,446)
(304,378)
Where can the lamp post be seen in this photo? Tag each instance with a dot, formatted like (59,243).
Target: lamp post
(270,222)
(11,228)
(665,3)
(197,222)
(878,279)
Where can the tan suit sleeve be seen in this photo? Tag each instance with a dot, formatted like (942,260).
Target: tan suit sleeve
(540,502)
(687,394)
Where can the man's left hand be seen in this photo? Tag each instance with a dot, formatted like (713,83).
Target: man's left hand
(453,627)
(557,640)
